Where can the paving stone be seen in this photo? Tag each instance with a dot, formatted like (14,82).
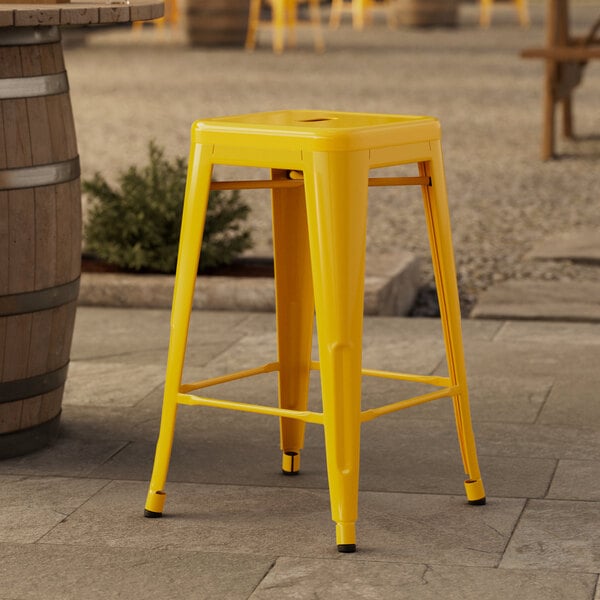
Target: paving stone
(423,457)
(294,522)
(516,399)
(577,301)
(547,332)
(218,451)
(89,423)
(32,506)
(305,579)
(529,359)
(110,383)
(426,329)
(31,572)
(576,480)
(539,441)
(67,457)
(574,403)
(558,535)
(101,331)
(401,355)
(130,331)
(578,246)
(226,462)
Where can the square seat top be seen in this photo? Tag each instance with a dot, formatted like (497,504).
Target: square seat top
(318,130)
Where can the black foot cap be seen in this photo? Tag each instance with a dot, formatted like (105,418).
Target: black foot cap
(150,514)
(346,548)
(290,473)
(479,502)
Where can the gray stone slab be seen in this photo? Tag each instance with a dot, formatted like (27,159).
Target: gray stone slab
(143,335)
(547,332)
(250,351)
(500,398)
(574,403)
(215,447)
(419,328)
(391,285)
(423,456)
(103,332)
(110,383)
(558,535)
(539,441)
(529,359)
(67,457)
(32,506)
(576,480)
(579,246)
(293,522)
(305,579)
(224,462)
(156,291)
(94,423)
(402,355)
(572,301)
(441,472)
(31,572)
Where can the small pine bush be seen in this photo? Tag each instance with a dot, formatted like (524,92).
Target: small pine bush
(137,226)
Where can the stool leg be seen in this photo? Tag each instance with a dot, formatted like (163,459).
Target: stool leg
(279,24)
(315,19)
(359,10)
(291,8)
(192,225)
(438,224)
(336,197)
(337,7)
(523,12)
(253,20)
(294,312)
(485,15)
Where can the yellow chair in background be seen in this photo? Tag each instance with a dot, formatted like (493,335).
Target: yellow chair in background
(170,17)
(320,163)
(362,12)
(522,7)
(283,23)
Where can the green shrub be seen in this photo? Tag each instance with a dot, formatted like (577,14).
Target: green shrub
(137,226)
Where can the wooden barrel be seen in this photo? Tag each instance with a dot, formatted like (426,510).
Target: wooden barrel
(40,236)
(427,13)
(217,22)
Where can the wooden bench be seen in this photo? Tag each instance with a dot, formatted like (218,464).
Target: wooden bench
(566,57)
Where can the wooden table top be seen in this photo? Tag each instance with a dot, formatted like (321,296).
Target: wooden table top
(79,13)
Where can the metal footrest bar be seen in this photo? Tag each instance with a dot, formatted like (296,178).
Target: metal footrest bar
(310,416)
(198,385)
(373,413)
(301,415)
(269,184)
(428,379)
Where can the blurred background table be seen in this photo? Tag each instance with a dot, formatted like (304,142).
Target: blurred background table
(565,57)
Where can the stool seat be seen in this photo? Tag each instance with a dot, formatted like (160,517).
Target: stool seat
(320,163)
(318,130)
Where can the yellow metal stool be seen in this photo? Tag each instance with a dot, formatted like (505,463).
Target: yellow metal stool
(320,164)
